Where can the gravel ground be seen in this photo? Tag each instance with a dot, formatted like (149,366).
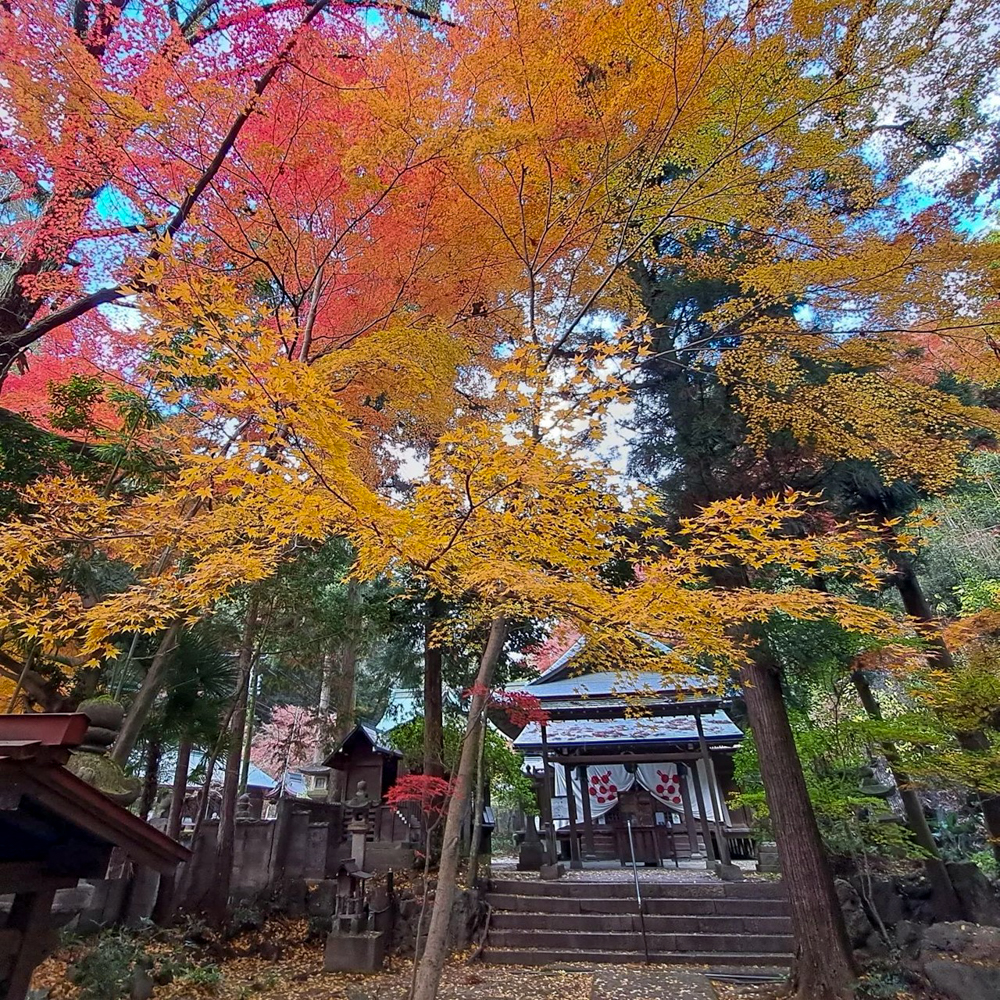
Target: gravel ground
(688,873)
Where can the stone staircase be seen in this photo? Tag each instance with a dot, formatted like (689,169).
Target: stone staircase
(721,924)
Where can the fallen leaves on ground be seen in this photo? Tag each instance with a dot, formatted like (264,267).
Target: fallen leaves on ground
(296,973)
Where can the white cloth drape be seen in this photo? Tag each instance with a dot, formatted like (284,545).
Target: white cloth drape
(606,782)
(603,787)
(663,783)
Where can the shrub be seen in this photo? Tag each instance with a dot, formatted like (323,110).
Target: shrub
(105,972)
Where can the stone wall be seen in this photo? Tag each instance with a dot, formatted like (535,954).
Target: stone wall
(468,914)
(304,842)
(893,917)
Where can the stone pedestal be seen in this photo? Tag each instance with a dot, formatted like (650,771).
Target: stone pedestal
(359,833)
(767,859)
(90,761)
(531,855)
(363,952)
(731,873)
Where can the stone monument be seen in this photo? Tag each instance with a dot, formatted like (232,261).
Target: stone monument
(352,946)
(90,760)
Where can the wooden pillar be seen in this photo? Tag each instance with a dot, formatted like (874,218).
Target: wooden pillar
(713,785)
(588,818)
(548,776)
(706,829)
(575,860)
(281,839)
(29,917)
(683,771)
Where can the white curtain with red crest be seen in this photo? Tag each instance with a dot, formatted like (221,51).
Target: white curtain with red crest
(603,785)
(664,784)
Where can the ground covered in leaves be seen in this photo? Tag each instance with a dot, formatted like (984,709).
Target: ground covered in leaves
(281,961)
(284,961)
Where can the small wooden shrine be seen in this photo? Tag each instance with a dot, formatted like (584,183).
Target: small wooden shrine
(362,756)
(55,829)
(641,750)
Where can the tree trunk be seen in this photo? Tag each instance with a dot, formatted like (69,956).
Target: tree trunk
(163,908)
(975,741)
(428,975)
(428,837)
(347,664)
(151,685)
(824,967)
(184,879)
(946,900)
(179,794)
(325,684)
(234,760)
(251,716)
(151,780)
(433,693)
(479,803)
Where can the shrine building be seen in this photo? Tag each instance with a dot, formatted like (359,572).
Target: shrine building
(646,750)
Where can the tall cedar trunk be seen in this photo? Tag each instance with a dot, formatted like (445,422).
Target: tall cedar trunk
(248,729)
(347,664)
(325,691)
(151,780)
(325,683)
(478,805)
(824,967)
(975,741)
(164,905)
(179,794)
(185,878)
(234,759)
(428,975)
(339,688)
(141,705)
(433,693)
(946,902)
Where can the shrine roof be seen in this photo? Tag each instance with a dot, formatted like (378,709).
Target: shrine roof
(256,778)
(649,684)
(48,809)
(718,727)
(568,691)
(364,732)
(378,744)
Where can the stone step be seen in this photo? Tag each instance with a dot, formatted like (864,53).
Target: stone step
(536,956)
(630,922)
(570,888)
(592,942)
(720,905)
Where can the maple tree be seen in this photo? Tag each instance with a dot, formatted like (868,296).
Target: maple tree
(347,248)
(289,738)
(429,794)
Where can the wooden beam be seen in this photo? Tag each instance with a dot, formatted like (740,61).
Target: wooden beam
(705,828)
(29,916)
(27,876)
(574,840)
(548,785)
(712,788)
(692,830)
(620,758)
(588,817)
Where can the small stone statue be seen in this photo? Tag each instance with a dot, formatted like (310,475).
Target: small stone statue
(243,809)
(357,824)
(359,803)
